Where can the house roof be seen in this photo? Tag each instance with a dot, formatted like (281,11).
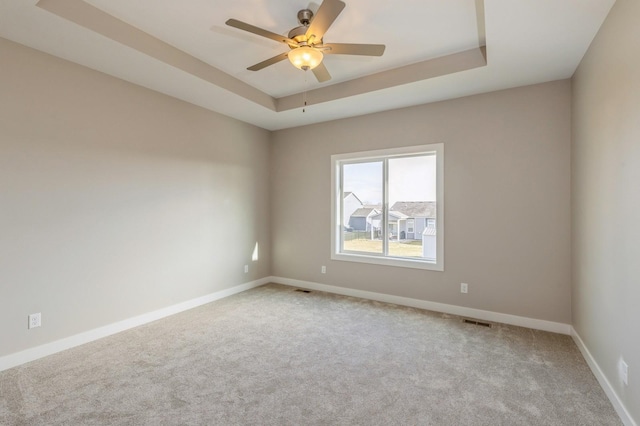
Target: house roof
(363,212)
(393,215)
(416,208)
(429,230)
(348,193)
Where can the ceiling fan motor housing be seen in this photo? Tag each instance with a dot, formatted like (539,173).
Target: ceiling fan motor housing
(299,34)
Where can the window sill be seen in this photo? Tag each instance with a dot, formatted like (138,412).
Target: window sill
(388,261)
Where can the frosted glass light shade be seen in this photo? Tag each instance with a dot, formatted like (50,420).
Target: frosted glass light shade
(305,58)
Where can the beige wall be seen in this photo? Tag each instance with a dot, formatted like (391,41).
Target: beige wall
(507,208)
(115,200)
(606,199)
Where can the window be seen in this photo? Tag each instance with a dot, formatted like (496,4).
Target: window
(400,193)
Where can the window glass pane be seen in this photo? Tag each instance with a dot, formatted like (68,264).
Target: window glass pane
(412,202)
(405,181)
(362,207)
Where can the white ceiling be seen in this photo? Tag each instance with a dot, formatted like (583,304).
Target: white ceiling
(527,42)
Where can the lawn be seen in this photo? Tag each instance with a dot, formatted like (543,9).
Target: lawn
(401,249)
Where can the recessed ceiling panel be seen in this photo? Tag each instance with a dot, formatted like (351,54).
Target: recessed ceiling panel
(412,31)
(528,42)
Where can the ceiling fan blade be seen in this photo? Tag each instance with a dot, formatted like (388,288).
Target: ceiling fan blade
(324,17)
(321,73)
(353,49)
(259,31)
(270,61)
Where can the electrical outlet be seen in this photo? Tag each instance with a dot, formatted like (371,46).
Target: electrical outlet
(246,268)
(35,320)
(624,372)
(464,288)
(323,269)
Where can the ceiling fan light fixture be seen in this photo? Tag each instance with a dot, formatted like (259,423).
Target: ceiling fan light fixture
(306,43)
(305,57)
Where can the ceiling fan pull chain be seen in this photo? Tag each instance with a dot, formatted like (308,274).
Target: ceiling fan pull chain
(304,94)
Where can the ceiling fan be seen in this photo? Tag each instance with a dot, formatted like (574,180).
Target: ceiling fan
(306,41)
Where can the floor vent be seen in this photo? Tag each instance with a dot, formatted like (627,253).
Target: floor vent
(303,291)
(476,322)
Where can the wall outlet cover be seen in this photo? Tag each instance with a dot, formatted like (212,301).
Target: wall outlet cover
(624,371)
(35,320)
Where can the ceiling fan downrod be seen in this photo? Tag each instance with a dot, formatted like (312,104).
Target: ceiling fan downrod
(304,17)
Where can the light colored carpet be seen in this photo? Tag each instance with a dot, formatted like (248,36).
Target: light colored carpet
(275,356)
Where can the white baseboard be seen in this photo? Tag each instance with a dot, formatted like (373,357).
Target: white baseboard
(604,382)
(536,324)
(28,355)
(18,358)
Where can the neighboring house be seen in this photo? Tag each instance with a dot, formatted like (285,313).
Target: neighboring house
(361,219)
(396,220)
(418,216)
(407,219)
(350,205)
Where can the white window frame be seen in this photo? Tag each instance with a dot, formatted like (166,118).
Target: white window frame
(336,215)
